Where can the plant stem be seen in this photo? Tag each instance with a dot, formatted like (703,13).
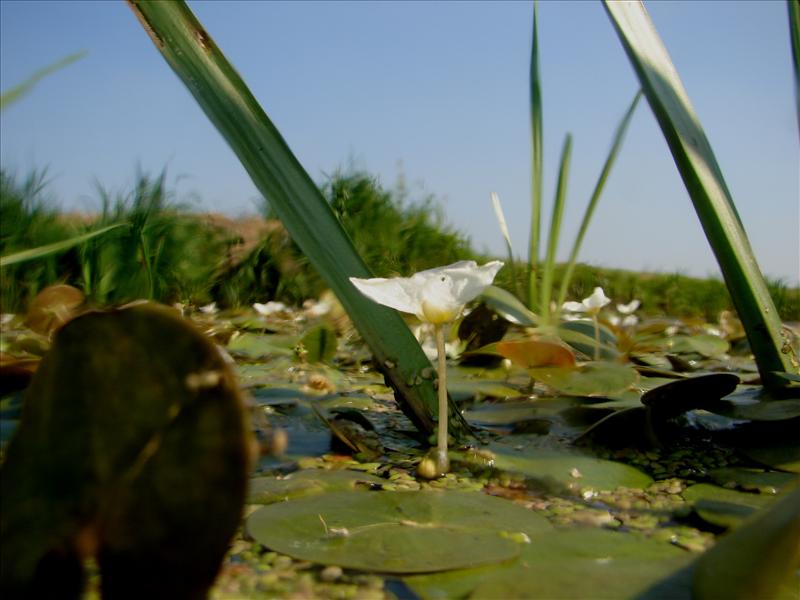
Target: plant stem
(596,337)
(442,460)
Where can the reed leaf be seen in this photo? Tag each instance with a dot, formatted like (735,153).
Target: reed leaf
(228,103)
(706,186)
(794,32)
(619,136)
(10,96)
(555,228)
(536,166)
(56,247)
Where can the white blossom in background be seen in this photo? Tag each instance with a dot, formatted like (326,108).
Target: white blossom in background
(436,296)
(270,308)
(314,309)
(629,319)
(591,305)
(209,309)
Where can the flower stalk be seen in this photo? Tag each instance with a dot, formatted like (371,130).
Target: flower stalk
(442,460)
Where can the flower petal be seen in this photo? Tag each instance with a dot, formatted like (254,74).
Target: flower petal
(629,308)
(596,301)
(399,293)
(573,306)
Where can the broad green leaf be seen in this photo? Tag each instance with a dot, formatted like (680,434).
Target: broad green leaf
(573,471)
(255,345)
(566,565)
(780,453)
(225,98)
(589,379)
(396,532)
(56,247)
(703,179)
(580,335)
(761,559)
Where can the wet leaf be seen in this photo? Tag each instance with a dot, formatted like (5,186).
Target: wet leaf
(573,471)
(681,395)
(570,565)
(133,423)
(396,532)
(751,480)
(723,507)
(629,427)
(781,454)
(752,403)
(708,345)
(761,559)
(590,379)
(536,353)
(308,482)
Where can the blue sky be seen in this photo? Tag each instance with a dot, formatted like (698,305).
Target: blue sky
(437,91)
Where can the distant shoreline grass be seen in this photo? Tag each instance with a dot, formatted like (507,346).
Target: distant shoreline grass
(197,257)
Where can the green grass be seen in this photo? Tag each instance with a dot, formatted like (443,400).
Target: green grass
(171,254)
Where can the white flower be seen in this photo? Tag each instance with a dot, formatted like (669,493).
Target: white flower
(435,296)
(270,308)
(209,309)
(590,305)
(629,308)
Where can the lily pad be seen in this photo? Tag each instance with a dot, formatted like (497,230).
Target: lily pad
(707,345)
(573,471)
(681,395)
(591,379)
(571,564)
(752,403)
(253,345)
(396,532)
(752,480)
(724,507)
(308,482)
(761,559)
(783,455)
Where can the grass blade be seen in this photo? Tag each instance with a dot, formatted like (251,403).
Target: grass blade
(555,229)
(276,172)
(536,166)
(18,91)
(598,190)
(501,220)
(56,247)
(703,179)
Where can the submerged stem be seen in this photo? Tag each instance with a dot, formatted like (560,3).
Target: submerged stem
(442,460)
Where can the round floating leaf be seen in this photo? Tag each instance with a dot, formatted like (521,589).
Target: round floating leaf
(761,559)
(754,404)
(572,564)
(396,532)
(751,480)
(266,490)
(783,455)
(723,507)
(571,470)
(590,379)
(253,345)
(681,395)
(536,353)
(708,345)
